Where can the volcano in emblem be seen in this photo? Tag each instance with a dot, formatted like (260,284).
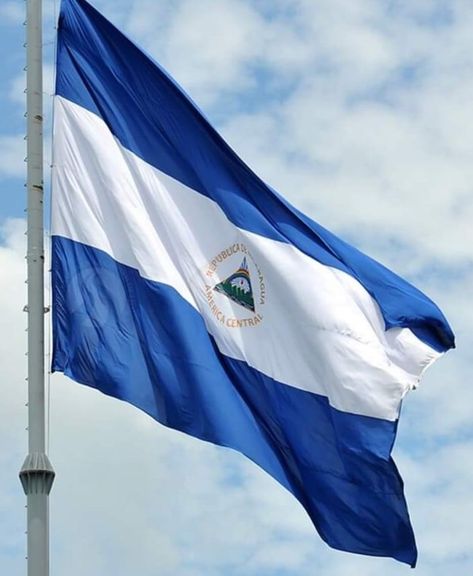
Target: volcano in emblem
(237,287)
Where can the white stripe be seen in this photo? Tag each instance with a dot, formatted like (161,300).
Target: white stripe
(320,330)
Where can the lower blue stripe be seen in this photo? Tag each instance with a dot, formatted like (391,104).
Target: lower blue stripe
(139,341)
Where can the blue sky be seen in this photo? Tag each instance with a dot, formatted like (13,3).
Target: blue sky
(358,111)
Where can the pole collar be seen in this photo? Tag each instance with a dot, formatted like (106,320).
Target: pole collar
(37,474)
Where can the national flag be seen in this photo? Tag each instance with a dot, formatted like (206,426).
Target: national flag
(185,285)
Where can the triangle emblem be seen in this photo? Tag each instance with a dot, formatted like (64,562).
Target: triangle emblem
(238,288)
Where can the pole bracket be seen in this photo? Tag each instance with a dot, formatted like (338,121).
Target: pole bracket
(37,474)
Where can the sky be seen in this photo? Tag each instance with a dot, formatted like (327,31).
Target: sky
(360,113)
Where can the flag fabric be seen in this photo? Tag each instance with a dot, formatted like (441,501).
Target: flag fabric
(185,285)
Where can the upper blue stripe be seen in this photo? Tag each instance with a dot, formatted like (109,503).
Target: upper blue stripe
(140,341)
(103,71)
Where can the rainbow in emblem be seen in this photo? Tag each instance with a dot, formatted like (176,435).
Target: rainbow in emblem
(238,288)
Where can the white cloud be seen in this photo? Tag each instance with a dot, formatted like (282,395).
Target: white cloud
(207,46)
(375,132)
(12,12)
(12,155)
(17,92)
(13,415)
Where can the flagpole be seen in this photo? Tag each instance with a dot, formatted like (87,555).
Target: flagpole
(36,474)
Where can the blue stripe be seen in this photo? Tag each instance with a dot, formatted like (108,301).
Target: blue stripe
(104,72)
(139,341)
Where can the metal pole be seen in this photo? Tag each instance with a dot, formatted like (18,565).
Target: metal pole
(36,474)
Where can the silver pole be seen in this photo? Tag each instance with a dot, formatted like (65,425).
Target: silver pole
(36,474)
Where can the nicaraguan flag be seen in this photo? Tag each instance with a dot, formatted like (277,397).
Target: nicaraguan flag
(186,286)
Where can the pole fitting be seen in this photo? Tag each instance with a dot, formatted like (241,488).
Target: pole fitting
(37,474)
